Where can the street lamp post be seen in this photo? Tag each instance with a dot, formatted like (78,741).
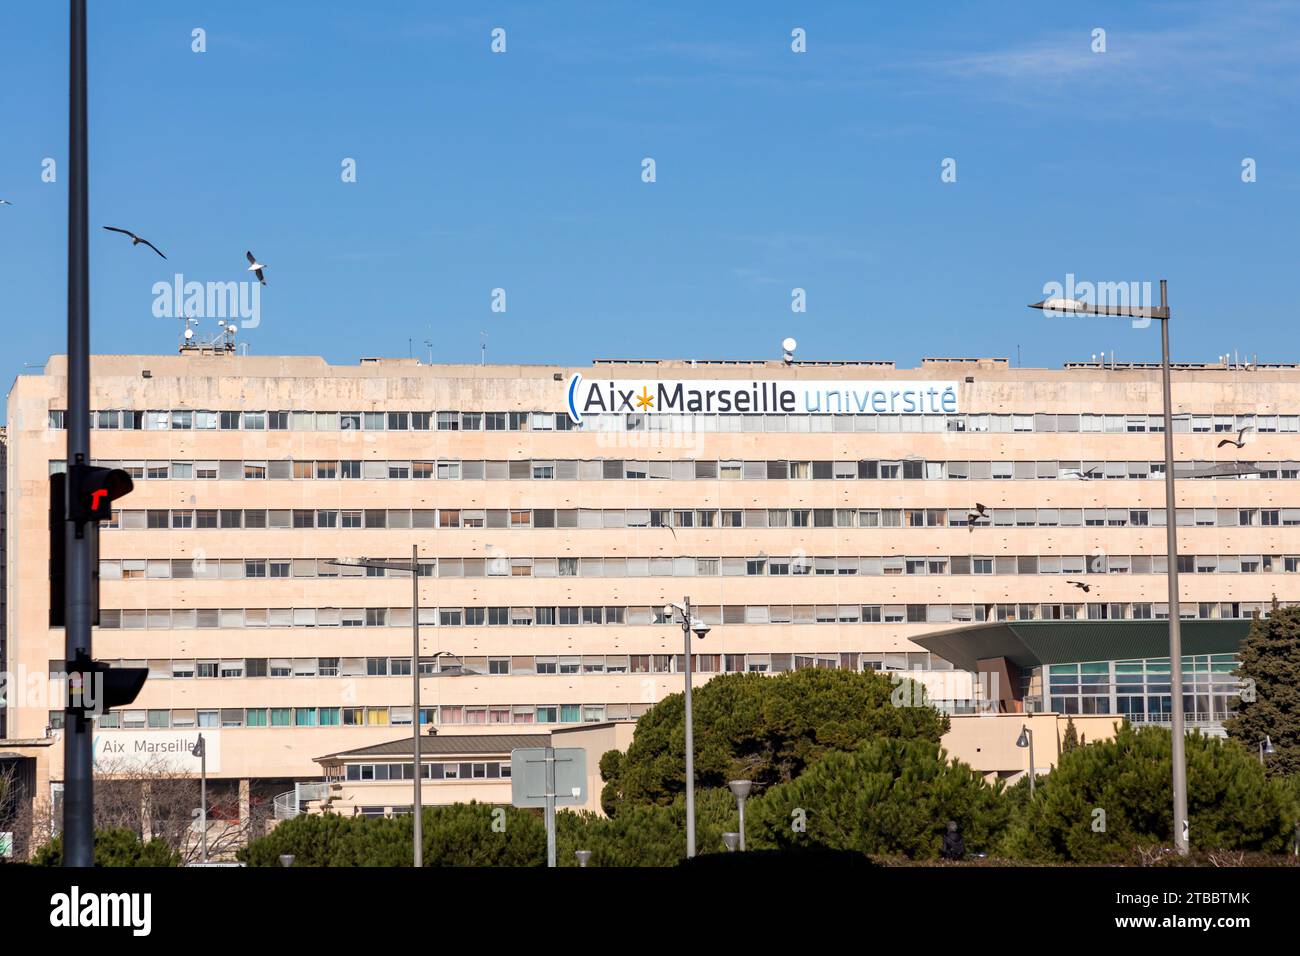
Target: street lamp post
(700,629)
(1179,741)
(740,789)
(201,751)
(413,568)
(1026,739)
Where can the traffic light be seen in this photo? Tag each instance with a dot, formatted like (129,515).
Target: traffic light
(109,687)
(93,490)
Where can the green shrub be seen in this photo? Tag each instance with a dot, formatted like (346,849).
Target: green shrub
(115,847)
(1106,800)
(889,797)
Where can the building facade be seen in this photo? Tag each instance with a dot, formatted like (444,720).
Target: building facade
(816,514)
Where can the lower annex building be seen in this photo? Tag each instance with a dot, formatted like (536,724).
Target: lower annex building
(818,514)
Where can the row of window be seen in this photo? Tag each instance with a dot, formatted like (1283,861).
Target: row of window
(213,569)
(204,420)
(528,665)
(1140,690)
(438,770)
(361,716)
(684,469)
(227,618)
(597,518)
(302,421)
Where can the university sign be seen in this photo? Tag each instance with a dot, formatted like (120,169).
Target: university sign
(738,396)
(162,751)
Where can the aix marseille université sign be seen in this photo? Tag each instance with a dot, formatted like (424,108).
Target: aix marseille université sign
(740,396)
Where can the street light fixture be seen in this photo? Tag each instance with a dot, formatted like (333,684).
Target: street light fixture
(740,790)
(458,670)
(1026,739)
(1266,747)
(700,629)
(731,841)
(1179,742)
(584,856)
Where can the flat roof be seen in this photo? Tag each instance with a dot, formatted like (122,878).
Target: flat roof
(1035,643)
(450,746)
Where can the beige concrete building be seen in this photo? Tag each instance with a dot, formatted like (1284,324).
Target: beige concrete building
(817,514)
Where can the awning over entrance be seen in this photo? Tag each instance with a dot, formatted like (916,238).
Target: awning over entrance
(1029,644)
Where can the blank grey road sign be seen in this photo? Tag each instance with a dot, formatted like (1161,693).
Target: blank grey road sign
(528,777)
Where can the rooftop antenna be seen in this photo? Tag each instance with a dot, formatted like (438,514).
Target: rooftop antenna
(188,325)
(429,344)
(788,345)
(482,360)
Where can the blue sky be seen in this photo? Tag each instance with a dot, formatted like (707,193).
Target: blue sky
(775,170)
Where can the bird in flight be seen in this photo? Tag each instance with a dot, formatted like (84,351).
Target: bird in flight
(256,267)
(5,202)
(973,516)
(1085,588)
(135,240)
(1241,438)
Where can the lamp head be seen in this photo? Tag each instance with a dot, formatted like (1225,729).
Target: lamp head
(1060,304)
(1023,741)
(740,788)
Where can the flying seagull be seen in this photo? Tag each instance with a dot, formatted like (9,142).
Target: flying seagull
(256,267)
(973,516)
(5,202)
(1085,588)
(135,240)
(1241,438)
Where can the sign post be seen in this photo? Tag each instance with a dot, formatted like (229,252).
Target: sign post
(548,777)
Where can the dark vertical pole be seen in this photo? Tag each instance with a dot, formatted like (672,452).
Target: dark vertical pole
(78,785)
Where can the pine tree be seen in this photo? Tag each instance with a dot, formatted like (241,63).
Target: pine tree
(1270,703)
(1070,740)
(1103,801)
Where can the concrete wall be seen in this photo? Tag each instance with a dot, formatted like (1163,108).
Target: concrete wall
(987,742)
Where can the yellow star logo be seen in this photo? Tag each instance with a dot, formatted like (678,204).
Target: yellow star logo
(644,400)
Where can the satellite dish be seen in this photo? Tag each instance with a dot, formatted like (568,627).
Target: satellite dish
(789,344)
(189,333)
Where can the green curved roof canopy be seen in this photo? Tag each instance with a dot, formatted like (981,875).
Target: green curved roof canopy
(1035,643)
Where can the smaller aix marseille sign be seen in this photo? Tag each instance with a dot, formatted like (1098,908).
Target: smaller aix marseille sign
(739,396)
